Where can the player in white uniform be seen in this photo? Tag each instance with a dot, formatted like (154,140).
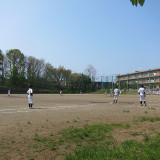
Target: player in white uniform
(9,92)
(116,91)
(142,93)
(111,92)
(30,96)
(105,91)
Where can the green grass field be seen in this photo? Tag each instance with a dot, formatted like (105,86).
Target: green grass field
(95,142)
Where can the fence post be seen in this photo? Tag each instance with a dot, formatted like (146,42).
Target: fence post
(149,80)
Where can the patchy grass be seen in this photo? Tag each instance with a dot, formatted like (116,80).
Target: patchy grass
(28,122)
(95,142)
(88,134)
(127,111)
(136,134)
(131,150)
(43,143)
(74,120)
(150,119)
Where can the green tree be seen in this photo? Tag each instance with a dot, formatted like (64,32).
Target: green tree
(136,2)
(74,82)
(35,68)
(133,85)
(22,79)
(16,58)
(2,67)
(16,65)
(79,83)
(48,81)
(60,76)
(14,81)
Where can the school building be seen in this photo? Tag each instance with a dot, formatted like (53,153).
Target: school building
(149,78)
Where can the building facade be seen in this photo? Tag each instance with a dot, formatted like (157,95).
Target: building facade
(149,78)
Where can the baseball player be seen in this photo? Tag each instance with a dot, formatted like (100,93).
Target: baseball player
(111,92)
(142,93)
(30,96)
(116,91)
(9,92)
(105,91)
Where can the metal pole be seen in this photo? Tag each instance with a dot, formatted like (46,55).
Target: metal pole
(149,80)
(79,85)
(119,81)
(106,82)
(137,81)
(112,82)
(101,83)
(127,82)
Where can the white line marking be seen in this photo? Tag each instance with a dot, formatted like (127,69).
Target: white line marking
(26,110)
(23,110)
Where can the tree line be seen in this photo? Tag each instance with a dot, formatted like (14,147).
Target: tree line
(18,71)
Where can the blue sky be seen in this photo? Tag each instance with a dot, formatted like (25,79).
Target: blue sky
(111,35)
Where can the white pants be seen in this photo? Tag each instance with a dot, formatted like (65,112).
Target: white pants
(116,97)
(30,99)
(142,98)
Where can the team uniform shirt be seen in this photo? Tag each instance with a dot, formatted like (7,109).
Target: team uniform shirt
(141,92)
(116,94)
(30,96)
(9,92)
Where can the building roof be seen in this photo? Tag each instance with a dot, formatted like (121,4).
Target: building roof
(139,72)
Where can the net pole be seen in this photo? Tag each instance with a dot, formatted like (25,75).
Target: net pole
(112,82)
(149,80)
(137,81)
(119,82)
(101,83)
(106,82)
(128,82)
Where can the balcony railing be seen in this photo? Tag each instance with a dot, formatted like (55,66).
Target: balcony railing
(139,77)
(155,81)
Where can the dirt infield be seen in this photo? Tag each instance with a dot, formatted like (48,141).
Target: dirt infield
(52,113)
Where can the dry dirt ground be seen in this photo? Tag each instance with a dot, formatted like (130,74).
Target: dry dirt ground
(52,113)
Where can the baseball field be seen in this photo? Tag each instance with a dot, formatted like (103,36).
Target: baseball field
(40,133)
